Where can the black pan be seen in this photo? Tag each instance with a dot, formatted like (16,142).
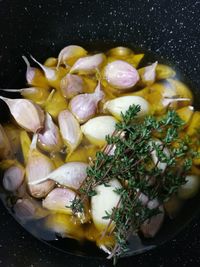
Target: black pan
(169,29)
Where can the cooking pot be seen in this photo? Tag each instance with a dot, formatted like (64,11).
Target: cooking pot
(168,29)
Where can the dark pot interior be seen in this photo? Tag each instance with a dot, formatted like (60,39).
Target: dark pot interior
(169,29)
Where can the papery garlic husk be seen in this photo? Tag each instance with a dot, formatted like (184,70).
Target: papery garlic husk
(27,114)
(55,103)
(96,129)
(38,166)
(70,52)
(71,85)
(71,174)
(121,74)
(34,76)
(88,65)
(148,74)
(59,200)
(121,105)
(13,177)
(84,106)
(70,130)
(5,146)
(99,205)
(50,139)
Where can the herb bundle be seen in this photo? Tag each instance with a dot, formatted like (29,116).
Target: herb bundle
(134,142)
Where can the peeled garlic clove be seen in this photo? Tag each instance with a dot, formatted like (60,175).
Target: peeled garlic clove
(84,106)
(13,178)
(71,174)
(190,188)
(71,85)
(34,76)
(121,74)
(24,209)
(88,65)
(38,166)
(59,200)
(148,74)
(69,52)
(99,206)
(70,129)
(5,146)
(121,105)
(50,139)
(98,128)
(27,114)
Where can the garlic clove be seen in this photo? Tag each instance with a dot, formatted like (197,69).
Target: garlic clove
(55,103)
(121,74)
(84,106)
(88,65)
(70,52)
(13,177)
(38,166)
(34,76)
(27,114)
(121,105)
(148,74)
(59,200)
(24,209)
(71,174)
(5,146)
(71,85)
(120,51)
(164,72)
(70,130)
(50,139)
(96,129)
(51,62)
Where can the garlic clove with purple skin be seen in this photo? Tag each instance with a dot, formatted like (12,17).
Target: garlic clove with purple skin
(50,139)
(13,178)
(88,65)
(84,106)
(71,85)
(70,130)
(121,74)
(70,52)
(59,200)
(27,114)
(71,174)
(148,74)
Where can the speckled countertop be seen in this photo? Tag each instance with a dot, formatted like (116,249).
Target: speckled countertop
(169,28)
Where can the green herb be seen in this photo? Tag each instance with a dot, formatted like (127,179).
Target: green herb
(134,141)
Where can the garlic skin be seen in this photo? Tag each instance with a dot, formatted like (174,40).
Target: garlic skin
(121,105)
(70,129)
(71,174)
(5,146)
(88,65)
(50,139)
(38,166)
(148,74)
(84,106)
(13,178)
(121,74)
(69,52)
(71,85)
(96,129)
(27,114)
(59,200)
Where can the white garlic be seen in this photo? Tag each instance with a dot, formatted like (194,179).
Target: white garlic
(121,105)
(70,129)
(71,174)
(84,106)
(27,114)
(71,85)
(148,74)
(98,128)
(121,74)
(88,65)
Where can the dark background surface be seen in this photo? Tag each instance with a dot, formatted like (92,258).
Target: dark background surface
(42,28)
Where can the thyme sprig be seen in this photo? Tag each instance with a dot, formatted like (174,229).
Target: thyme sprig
(133,142)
